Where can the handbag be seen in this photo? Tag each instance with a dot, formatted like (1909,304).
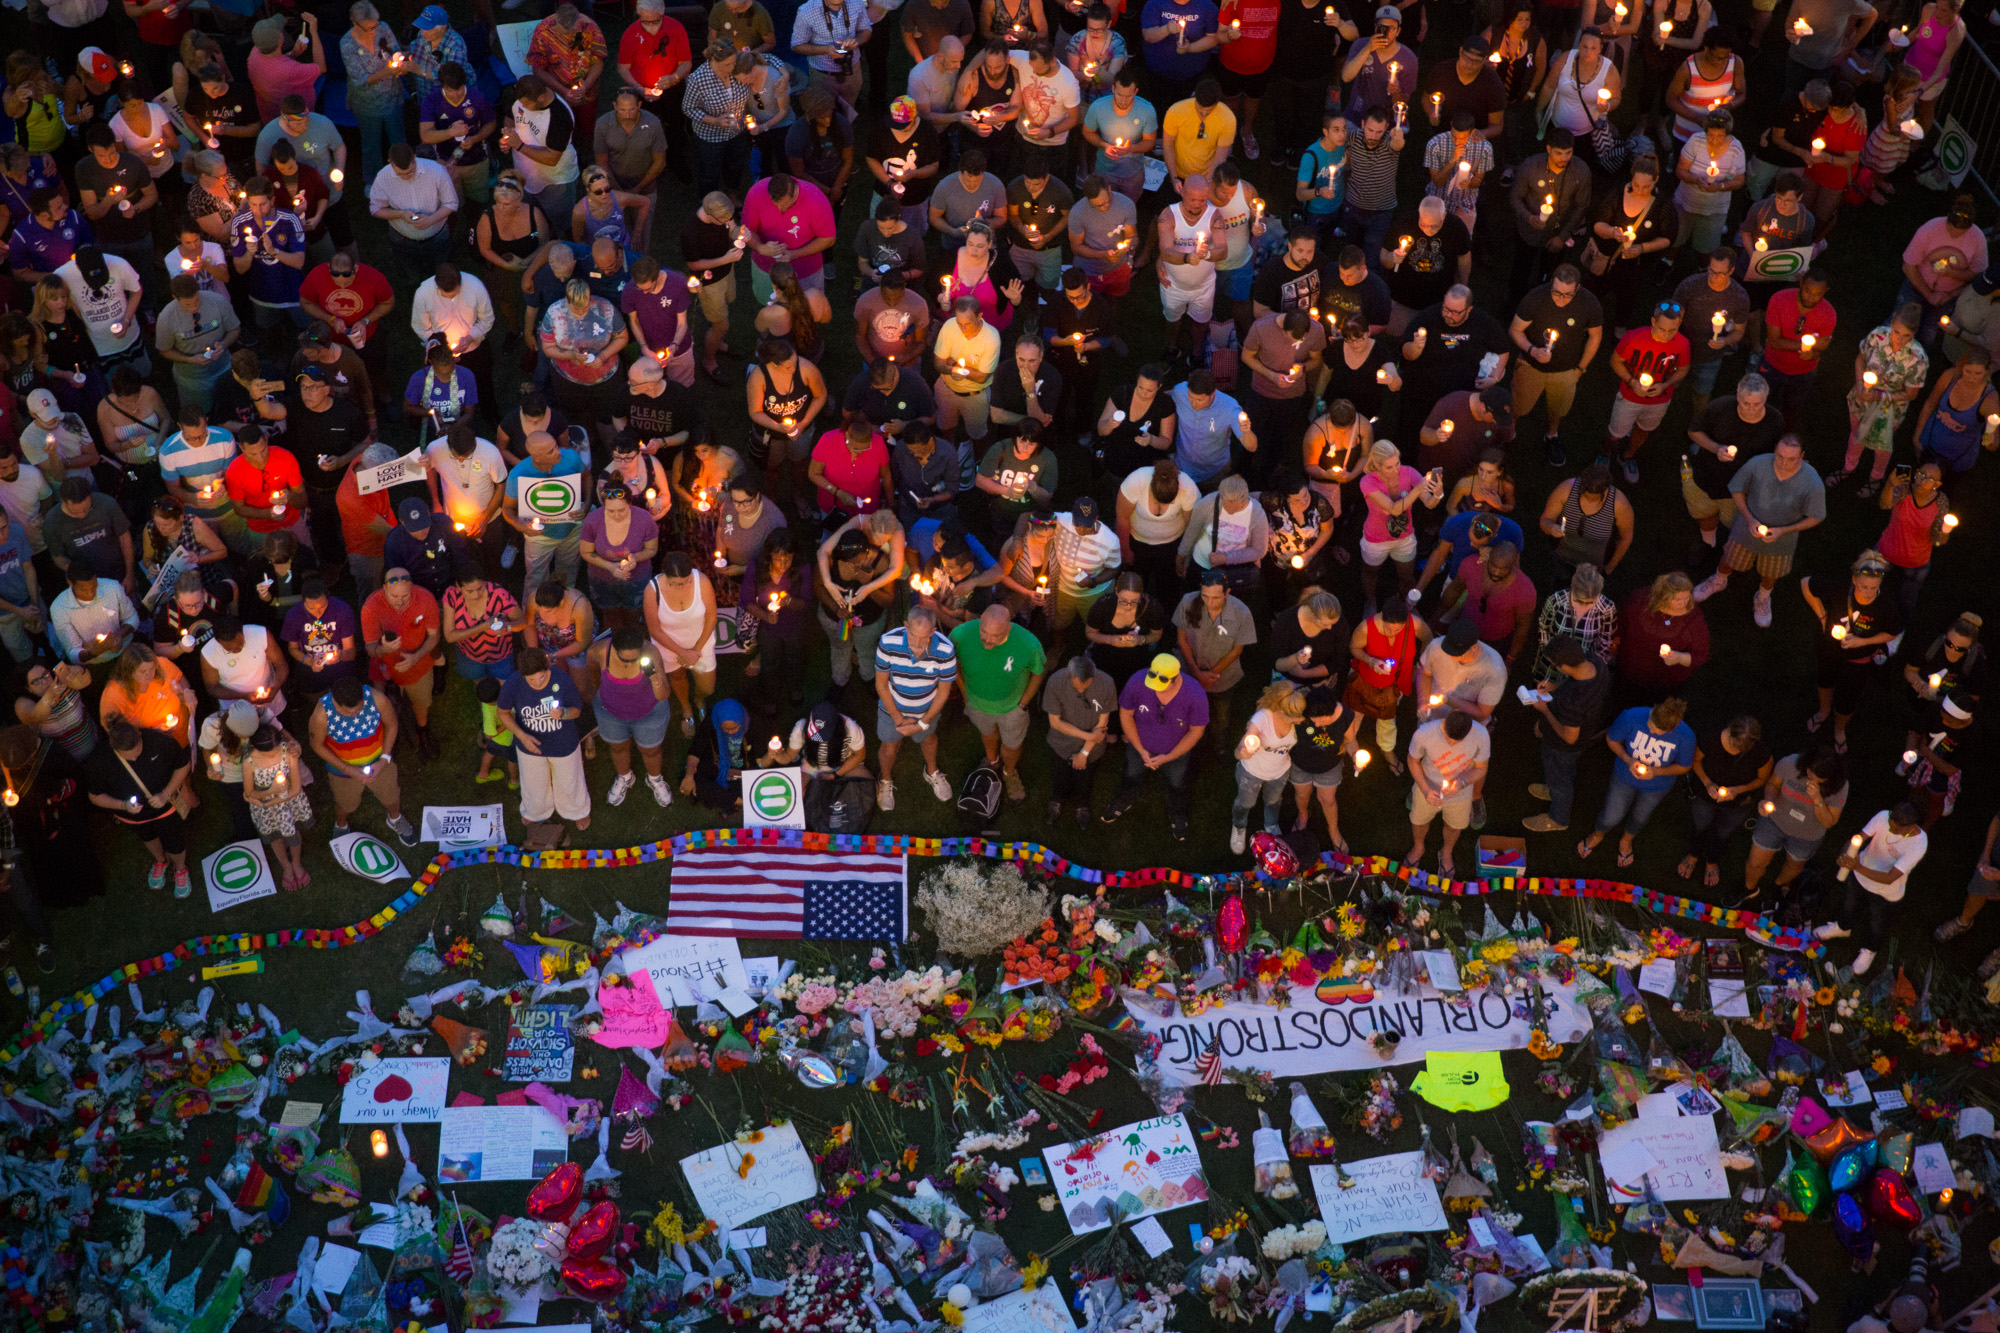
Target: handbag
(182,800)
(1238,579)
(1606,143)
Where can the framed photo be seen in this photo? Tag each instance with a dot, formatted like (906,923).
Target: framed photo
(1673,1304)
(1729,1302)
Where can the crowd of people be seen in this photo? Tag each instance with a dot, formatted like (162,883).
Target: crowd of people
(251,529)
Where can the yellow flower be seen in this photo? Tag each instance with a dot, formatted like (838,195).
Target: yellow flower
(1033,1275)
(1823,996)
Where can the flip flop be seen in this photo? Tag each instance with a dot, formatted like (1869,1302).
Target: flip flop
(1816,721)
(1586,847)
(1624,859)
(1711,876)
(1686,868)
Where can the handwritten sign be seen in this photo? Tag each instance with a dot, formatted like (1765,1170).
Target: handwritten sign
(1688,1154)
(687,969)
(1389,1194)
(410,1090)
(539,1044)
(410,467)
(1140,1169)
(465,825)
(1042,1310)
(780,1173)
(172,567)
(1328,1029)
(633,1015)
(499,1143)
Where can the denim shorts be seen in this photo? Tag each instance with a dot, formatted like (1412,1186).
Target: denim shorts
(885,728)
(471,670)
(650,731)
(1771,838)
(1326,781)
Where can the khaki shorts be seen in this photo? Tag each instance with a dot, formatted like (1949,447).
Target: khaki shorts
(347,791)
(1457,812)
(1763,6)
(716,298)
(1532,385)
(971,408)
(1737,558)
(1012,725)
(1702,506)
(1626,414)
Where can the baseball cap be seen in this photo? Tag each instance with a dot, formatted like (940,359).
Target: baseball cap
(99,66)
(1954,708)
(413,514)
(433,16)
(315,372)
(267,35)
(1460,637)
(822,721)
(1084,508)
(1389,14)
(1164,671)
(1475,45)
(903,110)
(241,717)
(43,404)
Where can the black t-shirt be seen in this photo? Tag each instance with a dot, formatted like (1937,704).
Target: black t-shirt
(1329,646)
(1572,324)
(170,623)
(1120,662)
(1881,616)
(702,239)
(1120,452)
(920,150)
(1731,770)
(674,411)
(1095,321)
(1484,97)
(1368,298)
(1011,395)
(1451,353)
(1577,703)
(1431,267)
(516,434)
(317,435)
(1357,384)
(1796,125)
(909,400)
(819,154)
(236,107)
(1721,424)
(160,757)
(1956,746)
(1968,675)
(1281,287)
(1307,44)
(1316,748)
(129,172)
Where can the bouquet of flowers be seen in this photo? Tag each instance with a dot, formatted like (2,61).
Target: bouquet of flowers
(513,1258)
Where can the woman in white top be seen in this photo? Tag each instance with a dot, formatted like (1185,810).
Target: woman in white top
(145,130)
(1585,89)
(1264,758)
(680,617)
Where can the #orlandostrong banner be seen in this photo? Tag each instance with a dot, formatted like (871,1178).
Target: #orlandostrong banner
(1327,1029)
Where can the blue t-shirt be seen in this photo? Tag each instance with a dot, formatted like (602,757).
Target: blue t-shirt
(1457,531)
(1201,435)
(1655,752)
(536,710)
(1313,169)
(923,540)
(14,555)
(427,391)
(1164,57)
(1112,125)
(568,463)
(272,282)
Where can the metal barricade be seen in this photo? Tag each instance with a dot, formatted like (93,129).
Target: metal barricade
(1966,134)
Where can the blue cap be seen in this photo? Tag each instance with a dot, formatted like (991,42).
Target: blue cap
(432,17)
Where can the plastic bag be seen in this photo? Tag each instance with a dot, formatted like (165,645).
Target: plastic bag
(1310,1136)
(467,1043)
(1272,1167)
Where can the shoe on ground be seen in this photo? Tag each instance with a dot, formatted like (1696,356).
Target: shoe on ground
(1629,469)
(1179,825)
(494,775)
(885,795)
(1052,814)
(1863,961)
(183,883)
(1250,148)
(1951,929)
(1557,455)
(1760,608)
(1709,586)
(1016,789)
(1832,930)
(156,878)
(1237,839)
(1083,817)
(1539,790)
(621,787)
(662,793)
(940,785)
(1117,808)
(1989,965)
(1835,477)
(1867,491)
(45,958)
(405,832)
(1542,824)
(341,830)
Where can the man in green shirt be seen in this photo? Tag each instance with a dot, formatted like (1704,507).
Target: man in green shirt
(1020,475)
(1000,666)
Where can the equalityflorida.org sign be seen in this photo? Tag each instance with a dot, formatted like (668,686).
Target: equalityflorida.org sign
(1328,1029)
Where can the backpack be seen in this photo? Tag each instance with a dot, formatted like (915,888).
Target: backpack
(979,796)
(840,805)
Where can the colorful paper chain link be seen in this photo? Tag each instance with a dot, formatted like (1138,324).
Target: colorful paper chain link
(1422,881)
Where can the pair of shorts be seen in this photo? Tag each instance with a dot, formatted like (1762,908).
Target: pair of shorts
(283,820)
(1235,283)
(716,297)
(1457,812)
(471,670)
(621,594)
(1532,384)
(1403,550)
(1242,85)
(1701,232)
(1982,887)
(1702,506)
(954,407)
(1116,282)
(885,728)
(1198,304)
(1012,725)
(1041,267)
(1625,414)
(649,732)
(1736,558)
(1771,838)
(1326,781)
(760,283)
(499,749)
(704,666)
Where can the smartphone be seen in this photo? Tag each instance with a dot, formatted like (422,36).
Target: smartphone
(1381,30)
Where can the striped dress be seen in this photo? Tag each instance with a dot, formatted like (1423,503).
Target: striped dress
(1888,147)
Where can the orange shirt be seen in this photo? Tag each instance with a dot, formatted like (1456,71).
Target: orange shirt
(413,624)
(356,510)
(158,707)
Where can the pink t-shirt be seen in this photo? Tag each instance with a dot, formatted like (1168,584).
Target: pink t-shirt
(858,476)
(809,218)
(1376,527)
(1495,612)
(275,75)
(1935,236)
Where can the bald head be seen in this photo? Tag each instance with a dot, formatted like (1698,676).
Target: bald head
(994,623)
(542,449)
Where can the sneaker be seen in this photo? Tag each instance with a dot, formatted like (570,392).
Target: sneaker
(1760,608)
(495,775)
(940,786)
(1179,825)
(1016,789)
(1250,149)
(1237,838)
(1863,961)
(1709,586)
(1989,965)
(1539,790)
(1629,469)
(405,832)
(1542,824)
(45,958)
(1951,929)
(1557,455)
(1053,813)
(1832,930)
(663,795)
(885,795)
(183,883)
(621,787)
(1117,808)
(156,878)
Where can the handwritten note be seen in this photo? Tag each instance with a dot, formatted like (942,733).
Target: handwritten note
(499,1143)
(1152,1237)
(409,1090)
(1140,1169)
(780,1173)
(1389,1193)
(1657,977)
(1932,1166)
(1688,1153)
(685,968)
(1042,1310)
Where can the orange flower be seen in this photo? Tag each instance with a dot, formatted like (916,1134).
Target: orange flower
(743,1167)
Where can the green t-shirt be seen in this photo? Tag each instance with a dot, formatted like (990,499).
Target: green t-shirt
(745,31)
(996,679)
(1001,464)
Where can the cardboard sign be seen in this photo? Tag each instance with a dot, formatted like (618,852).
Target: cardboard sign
(464,825)
(781,1174)
(499,1143)
(540,1047)
(687,969)
(408,1089)
(1687,1153)
(410,467)
(773,798)
(1780,265)
(366,855)
(1152,1166)
(551,499)
(237,873)
(1389,1194)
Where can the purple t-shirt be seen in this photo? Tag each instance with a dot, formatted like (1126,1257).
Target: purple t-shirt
(318,638)
(638,532)
(660,312)
(1161,726)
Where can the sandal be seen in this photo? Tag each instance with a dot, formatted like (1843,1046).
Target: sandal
(687,726)
(1624,859)
(1840,745)
(1587,846)
(1686,868)
(1711,876)
(1395,764)
(1816,721)
(755,667)
(290,883)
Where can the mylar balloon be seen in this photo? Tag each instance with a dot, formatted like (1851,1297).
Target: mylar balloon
(593,1279)
(1834,1140)
(813,1070)
(1897,1150)
(1850,1228)
(1890,1201)
(1806,1183)
(1230,926)
(555,1198)
(592,1234)
(1851,1167)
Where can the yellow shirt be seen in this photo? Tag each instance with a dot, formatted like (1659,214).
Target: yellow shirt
(1197,138)
(1462,1080)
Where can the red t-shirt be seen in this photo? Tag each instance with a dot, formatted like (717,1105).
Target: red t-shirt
(1253,52)
(1643,355)
(1783,316)
(1906,542)
(413,624)
(368,290)
(300,194)
(860,477)
(1495,611)
(161,28)
(1841,137)
(356,510)
(252,485)
(652,56)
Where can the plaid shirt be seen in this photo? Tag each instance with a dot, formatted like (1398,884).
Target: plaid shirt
(570,56)
(1595,627)
(425,59)
(708,94)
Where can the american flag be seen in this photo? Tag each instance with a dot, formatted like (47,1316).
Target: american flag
(789,894)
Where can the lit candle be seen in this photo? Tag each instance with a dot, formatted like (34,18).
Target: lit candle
(1638,770)
(1806,342)
(1665,652)
(1437,105)
(1869,378)
(1950,522)
(1839,633)
(1548,206)
(1298,562)
(1666,29)
(1818,146)
(1853,849)
(1763,531)
(776,745)
(1801,28)
(1645,380)
(1362,759)
(1717,321)
(1768,808)
(378,1142)
(1446,427)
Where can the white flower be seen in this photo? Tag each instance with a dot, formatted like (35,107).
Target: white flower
(1107,932)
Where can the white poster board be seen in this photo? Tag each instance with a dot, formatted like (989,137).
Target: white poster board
(1151,1166)
(498,1143)
(781,1174)
(1687,1153)
(687,969)
(1780,265)
(552,499)
(773,798)
(1042,1310)
(1389,1194)
(456,826)
(368,856)
(237,873)
(409,1089)
(410,467)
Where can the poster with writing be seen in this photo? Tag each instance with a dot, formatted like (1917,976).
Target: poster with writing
(410,467)
(1389,1193)
(1149,1167)
(499,1143)
(1688,1155)
(780,1174)
(457,826)
(1328,1029)
(1042,1310)
(539,1045)
(408,1089)
(686,968)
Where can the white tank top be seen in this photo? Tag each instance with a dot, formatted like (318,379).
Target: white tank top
(1233,221)
(245,669)
(1704,92)
(1187,236)
(681,628)
(1570,113)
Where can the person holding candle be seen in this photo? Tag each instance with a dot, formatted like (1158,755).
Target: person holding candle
(1943,257)
(1889,143)
(561,623)
(1959,417)
(551,541)
(1777,496)
(1557,329)
(1835,155)
(1890,368)
(1934,45)
(773,606)
(480,621)
(1581,612)
(1581,92)
(276,72)
(1469,84)
(141,776)
(539,707)
(1716,309)
(424,542)
(1449,758)
(1178,37)
(1301,522)
(353,730)
(1649,364)
(1955,661)
(1122,127)
(318,143)
(1460,427)
(1469,533)
(91,620)
(1653,746)
(1549,200)
(1733,764)
(1711,79)
(1489,590)
(1384,651)
(1822,33)
(1802,800)
(1451,347)
(1307,637)
(148,692)
(1877,863)
(626,683)
(1263,758)
(1391,491)
(1797,327)
(618,542)
(375,68)
(244,662)
(1568,700)
(1627,228)
(1856,622)
(402,631)
(319,634)
(1785,148)
(1711,168)
(1664,639)
(1103,232)
(1726,435)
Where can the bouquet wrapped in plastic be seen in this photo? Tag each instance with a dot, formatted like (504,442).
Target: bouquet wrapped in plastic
(1272,1165)
(467,1043)
(1310,1137)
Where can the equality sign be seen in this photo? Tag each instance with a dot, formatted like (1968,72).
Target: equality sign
(237,873)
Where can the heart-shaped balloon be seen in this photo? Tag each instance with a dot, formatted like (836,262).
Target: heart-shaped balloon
(1850,1228)
(1897,1150)
(1806,1183)
(554,1241)
(591,1235)
(1834,1140)
(555,1198)
(1890,1201)
(1851,1167)
(593,1280)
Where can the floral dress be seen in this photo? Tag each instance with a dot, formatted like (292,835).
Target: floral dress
(1874,421)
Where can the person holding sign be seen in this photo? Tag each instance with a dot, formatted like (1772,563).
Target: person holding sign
(551,534)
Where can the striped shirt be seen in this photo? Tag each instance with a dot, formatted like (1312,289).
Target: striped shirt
(198,466)
(814,26)
(708,94)
(1371,172)
(354,739)
(914,679)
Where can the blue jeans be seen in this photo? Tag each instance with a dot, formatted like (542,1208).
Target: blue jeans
(1713,825)
(1367,227)
(1559,772)
(1247,788)
(1626,802)
(379,133)
(719,166)
(1928,327)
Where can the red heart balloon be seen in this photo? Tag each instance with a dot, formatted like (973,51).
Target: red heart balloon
(593,1233)
(593,1279)
(1890,1201)
(556,1197)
